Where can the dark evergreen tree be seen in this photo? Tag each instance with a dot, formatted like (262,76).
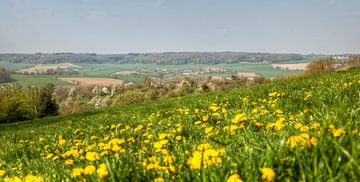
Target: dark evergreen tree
(49,105)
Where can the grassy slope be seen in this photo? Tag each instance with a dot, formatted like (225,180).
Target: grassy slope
(246,149)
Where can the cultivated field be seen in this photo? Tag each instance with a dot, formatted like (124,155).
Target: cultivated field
(107,70)
(298,66)
(38,80)
(44,68)
(305,129)
(93,81)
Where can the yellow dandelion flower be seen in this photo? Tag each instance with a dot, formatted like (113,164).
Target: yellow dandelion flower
(208,130)
(93,137)
(338,132)
(89,169)
(239,118)
(102,171)
(162,136)
(13,179)
(77,172)
(2,173)
(178,138)
(69,162)
(267,174)
(159,179)
(32,178)
(92,156)
(205,118)
(234,178)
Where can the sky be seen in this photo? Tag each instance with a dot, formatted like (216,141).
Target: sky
(122,26)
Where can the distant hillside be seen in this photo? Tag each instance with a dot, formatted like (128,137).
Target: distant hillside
(157,58)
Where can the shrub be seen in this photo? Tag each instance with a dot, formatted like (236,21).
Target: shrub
(354,61)
(15,104)
(5,76)
(129,97)
(320,66)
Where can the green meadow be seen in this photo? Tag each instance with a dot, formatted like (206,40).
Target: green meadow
(302,129)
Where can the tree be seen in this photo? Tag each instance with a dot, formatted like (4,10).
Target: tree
(49,106)
(15,104)
(146,82)
(35,100)
(5,76)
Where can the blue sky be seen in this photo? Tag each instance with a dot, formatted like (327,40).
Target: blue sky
(121,26)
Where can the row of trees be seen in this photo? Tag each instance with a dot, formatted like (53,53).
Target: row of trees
(18,103)
(5,76)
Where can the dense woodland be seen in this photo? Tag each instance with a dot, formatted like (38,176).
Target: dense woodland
(156,58)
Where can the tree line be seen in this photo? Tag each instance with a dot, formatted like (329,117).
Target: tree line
(155,58)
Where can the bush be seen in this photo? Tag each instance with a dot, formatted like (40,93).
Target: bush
(129,97)
(5,76)
(320,66)
(15,104)
(354,61)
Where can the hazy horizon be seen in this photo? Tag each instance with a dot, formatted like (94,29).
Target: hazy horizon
(145,26)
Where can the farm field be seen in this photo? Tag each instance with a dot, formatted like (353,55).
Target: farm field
(93,81)
(38,80)
(303,129)
(263,69)
(106,71)
(43,68)
(298,66)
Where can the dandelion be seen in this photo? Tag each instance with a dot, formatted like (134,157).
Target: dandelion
(239,118)
(267,174)
(234,178)
(205,118)
(208,130)
(159,179)
(2,173)
(93,137)
(32,178)
(89,169)
(102,171)
(138,128)
(338,132)
(162,136)
(69,162)
(77,172)
(92,156)
(178,138)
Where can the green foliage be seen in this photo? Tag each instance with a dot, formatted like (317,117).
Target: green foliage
(129,97)
(49,106)
(18,103)
(15,104)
